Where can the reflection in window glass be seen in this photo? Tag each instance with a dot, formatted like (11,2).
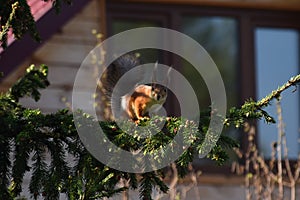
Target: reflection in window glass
(218,36)
(277,59)
(120,25)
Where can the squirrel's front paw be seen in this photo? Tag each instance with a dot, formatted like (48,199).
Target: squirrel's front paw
(142,119)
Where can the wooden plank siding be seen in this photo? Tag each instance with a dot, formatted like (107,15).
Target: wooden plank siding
(63,54)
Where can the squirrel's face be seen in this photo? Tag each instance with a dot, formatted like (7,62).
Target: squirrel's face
(158,93)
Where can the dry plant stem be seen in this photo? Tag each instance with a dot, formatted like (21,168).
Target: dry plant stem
(195,183)
(279,156)
(262,180)
(270,177)
(158,196)
(247,181)
(292,178)
(258,175)
(125,194)
(174,182)
(251,133)
(255,187)
(192,185)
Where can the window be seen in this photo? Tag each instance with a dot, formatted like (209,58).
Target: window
(119,25)
(277,59)
(244,43)
(218,35)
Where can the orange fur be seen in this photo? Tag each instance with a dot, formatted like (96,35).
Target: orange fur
(140,102)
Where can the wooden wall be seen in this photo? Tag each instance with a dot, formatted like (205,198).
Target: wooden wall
(63,54)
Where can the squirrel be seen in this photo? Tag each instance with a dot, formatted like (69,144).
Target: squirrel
(137,102)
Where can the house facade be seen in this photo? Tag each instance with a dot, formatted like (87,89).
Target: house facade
(255,45)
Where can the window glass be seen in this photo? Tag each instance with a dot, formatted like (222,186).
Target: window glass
(277,59)
(147,55)
(218,36)
(119,25)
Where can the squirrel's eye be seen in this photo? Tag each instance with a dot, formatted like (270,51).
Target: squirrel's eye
(158,97)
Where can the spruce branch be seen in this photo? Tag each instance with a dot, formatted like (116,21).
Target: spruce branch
(254,109)
(5,28)
(5,165)
(40,171)
(20,165)
(34,79)
(276,93)
(56,133)
(16,15)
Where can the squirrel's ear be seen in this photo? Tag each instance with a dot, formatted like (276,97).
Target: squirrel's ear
(154,78)
(168,78)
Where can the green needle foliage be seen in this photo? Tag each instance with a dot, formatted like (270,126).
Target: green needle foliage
(48,145)
(16,14)
(31,136)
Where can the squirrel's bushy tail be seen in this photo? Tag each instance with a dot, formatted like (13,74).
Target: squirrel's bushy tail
(116,70)
(110,102)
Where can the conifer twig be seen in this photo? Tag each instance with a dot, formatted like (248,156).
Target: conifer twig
(276,93)
(5,28)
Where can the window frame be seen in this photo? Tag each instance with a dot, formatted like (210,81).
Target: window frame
(249,17)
